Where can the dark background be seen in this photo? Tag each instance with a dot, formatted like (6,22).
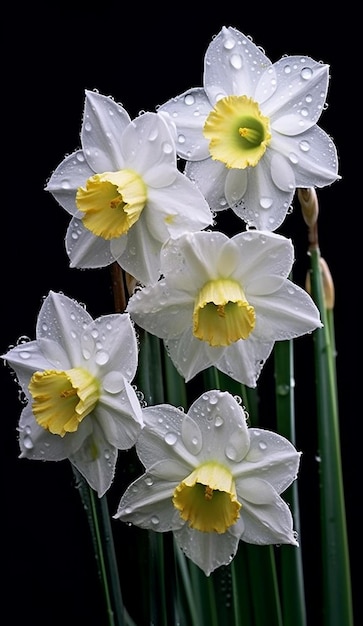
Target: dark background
(142,57)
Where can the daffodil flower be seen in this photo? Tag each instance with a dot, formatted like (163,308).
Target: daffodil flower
(211,480)
(76,378)
(124,191)
(224,302)
(250,136)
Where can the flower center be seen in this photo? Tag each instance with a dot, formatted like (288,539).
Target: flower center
(237,131)
(207,498)
(62,399)
(111,202)
(222,314)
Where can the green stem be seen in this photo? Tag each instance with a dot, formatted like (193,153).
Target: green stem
(337,600)
(292,576)
(101,533)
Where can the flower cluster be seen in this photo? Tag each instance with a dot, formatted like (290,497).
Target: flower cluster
(247,140)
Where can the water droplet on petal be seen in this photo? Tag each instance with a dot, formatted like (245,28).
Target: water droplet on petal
(266,202)
(170,439)
(306,73)
(189,99)
(28,442)
(304,145)
(113,382)
(236,61)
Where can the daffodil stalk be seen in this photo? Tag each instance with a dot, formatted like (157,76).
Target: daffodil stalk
(337,599)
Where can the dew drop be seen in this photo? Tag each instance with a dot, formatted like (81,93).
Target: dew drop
(229,43)
(218,421)
(155,520)
(236,61)
(306,73)
(262,445)
(266,202)
(170,439)
(282,390)
(189,99)
(28,442)
(153,134)
(304,146)
(231,452)
(113,382)
(25,354)
(88,126)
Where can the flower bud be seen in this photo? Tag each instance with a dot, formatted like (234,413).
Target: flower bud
(309,205)
(328,284)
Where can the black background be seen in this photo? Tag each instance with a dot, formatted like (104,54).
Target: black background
(142,57)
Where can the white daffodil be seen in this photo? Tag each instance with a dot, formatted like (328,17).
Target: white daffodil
(76,379)
(124,191)
(250,136)
(211,480)
(224,302)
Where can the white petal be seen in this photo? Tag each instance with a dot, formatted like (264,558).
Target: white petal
(96,460)
(282,172)
(181,207)
(312,155)
(140,257)
(268,524)
(298,101)
(120,417)
(262,254)
(187,114)
(103,124)
(160,312)
(285,314)
(27,358)
(233,65)
(200,252)
(72,173)
(236,182)
(148,148)
(111,342)
(266,86)
(244,360)
(210,178)
(190,355)
(272,456)
(264,205)
(147,502)
(85,249)
(223,427)
(36,443)
(173,470)
(161,438)
(63,320)
(207,550)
